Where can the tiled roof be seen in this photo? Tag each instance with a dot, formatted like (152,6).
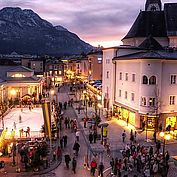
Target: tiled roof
(150,43)
(149,54)
(148,22)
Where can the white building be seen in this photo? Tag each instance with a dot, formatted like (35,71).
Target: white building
(140,77)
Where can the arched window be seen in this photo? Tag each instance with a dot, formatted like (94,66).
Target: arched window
(145,80)
(152,80)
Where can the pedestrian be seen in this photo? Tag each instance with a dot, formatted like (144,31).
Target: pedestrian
(61,143)
(59,153)
(20,119)
(85,122)
(54,155)
(65,105)
(77,135)
(15,127)
(76,148)
(65,140)
(93,166)
(112,165)
(100,169)
(135,137)
(74,164)
(90,137)
(67,160)
(127,121)
(94,136)
(123,136)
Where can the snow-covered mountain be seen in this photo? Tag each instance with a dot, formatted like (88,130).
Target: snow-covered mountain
(24,32)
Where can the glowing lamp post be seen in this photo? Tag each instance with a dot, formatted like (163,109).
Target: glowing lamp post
(165,137)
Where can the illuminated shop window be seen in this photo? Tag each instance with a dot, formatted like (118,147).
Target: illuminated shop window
(18,75)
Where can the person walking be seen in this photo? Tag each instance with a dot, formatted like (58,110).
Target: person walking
(93,166)
(112,165)
(100,169)
(77,135)
(74,164)
(90,137)
(61,143)
(65,140)
(94,136)
(123,136)
(67,160)
(76,148)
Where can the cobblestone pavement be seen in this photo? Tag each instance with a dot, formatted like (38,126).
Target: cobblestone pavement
(115,130)
(61,171)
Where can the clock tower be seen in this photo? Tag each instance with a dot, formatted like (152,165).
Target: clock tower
(153,5)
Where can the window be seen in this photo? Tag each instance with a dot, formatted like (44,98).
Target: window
(126,95)
(172,100)
(120,76)
(126,76)
(152,80)
(107,74)
(107,61)
(145,80)
(173,79)
(120,93)
(132,96)
(59,72)
(133,77)
(151,101)
(143,101)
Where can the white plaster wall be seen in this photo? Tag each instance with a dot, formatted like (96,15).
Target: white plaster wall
(130,67)
(169,68)
(150,68)
(108,82)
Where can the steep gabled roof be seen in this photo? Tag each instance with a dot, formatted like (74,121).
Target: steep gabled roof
(150,43)
(148,23)
(20,69)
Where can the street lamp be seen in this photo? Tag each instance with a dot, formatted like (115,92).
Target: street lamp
(165,137)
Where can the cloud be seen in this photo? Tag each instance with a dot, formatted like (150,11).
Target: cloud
(92,20)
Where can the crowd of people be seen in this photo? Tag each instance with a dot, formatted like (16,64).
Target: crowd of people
(146,160)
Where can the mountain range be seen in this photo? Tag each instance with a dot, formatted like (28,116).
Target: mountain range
(25,32)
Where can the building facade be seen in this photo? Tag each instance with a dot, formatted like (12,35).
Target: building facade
(139,78)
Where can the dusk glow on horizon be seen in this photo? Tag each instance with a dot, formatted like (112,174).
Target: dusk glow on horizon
(98,22)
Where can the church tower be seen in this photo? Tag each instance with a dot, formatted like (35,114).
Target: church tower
(153,5)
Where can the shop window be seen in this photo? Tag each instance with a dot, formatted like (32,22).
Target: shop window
(120,93)
(145,80)
(143,101)
(172,100)
(151,101)
(126,76)
(126,94)
(152,80)
(132,96)
(120,76)
(133,77)
(173,79)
